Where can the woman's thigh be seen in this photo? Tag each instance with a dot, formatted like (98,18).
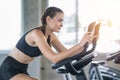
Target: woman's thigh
(22,77)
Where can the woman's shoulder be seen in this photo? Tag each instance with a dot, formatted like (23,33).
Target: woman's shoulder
(35,33)
(53,36)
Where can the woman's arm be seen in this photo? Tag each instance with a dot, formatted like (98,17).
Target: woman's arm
(42,44)
(56,43)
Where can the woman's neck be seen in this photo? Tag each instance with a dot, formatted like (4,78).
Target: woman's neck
(47,31)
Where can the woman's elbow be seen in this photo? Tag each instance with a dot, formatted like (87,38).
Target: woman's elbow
(54,59)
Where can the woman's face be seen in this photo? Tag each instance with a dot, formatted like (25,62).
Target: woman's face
(56,22)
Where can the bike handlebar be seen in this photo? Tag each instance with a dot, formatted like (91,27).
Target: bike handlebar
(114,56)
(73,68)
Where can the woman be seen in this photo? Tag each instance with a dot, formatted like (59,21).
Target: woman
(37,42)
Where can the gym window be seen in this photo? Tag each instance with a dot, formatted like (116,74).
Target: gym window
(10,23)
(79,13)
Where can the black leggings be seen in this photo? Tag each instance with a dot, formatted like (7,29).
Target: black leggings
(10,67)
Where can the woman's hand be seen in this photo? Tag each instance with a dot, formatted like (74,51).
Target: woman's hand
(94,29)
(92,33)
(96,37)
(86,38)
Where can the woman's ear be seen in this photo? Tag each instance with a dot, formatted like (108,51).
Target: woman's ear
(48,19)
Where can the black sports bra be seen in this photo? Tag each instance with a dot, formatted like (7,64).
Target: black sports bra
(27,49)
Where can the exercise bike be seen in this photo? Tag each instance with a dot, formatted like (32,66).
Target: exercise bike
(74,65)
(100,71)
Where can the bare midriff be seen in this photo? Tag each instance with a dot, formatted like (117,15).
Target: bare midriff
(20,56)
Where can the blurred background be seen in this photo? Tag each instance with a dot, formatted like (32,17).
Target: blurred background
(19,16)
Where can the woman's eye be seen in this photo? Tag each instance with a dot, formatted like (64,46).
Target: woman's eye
(59,20)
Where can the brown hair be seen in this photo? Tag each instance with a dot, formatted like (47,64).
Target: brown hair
(50,11)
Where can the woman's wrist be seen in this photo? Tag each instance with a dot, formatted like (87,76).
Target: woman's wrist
(81,47)
(81,43)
